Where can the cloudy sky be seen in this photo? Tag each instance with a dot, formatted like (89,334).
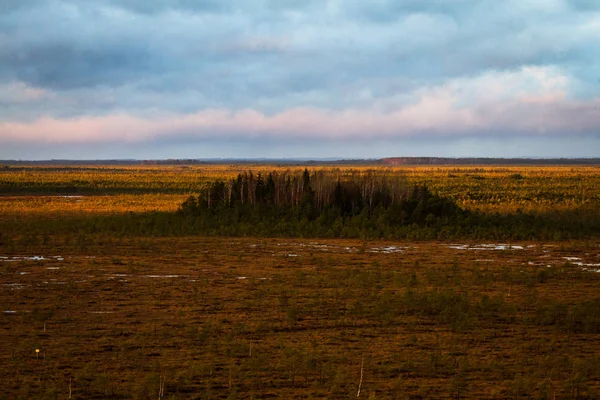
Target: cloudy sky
(85,79)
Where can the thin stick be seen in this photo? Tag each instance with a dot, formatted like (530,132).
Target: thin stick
(161,386)
(362,363)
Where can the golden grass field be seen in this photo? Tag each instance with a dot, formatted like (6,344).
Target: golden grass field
(256,318)
(45,190)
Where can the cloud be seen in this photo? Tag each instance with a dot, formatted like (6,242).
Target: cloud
(527,102)
(141,71)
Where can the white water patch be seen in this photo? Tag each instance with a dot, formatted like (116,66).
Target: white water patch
(387,249)
(314,245)
(591,269)
(164,276)
(572,258)
(53,268)
(292,255)
(484,260)
(243,278)
(14,286)
(101,312)
(582,264)
(9,312)
(30,258)
(485,247)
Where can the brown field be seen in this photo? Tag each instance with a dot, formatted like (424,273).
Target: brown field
(261,318)
(213,318)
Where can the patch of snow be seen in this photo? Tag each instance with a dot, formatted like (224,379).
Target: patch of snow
(14,285)
(485,247)
(30,258)
(582,264)
(387,249)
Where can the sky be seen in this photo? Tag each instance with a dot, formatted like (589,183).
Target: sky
(153,79)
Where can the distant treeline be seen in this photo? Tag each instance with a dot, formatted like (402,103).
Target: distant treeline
(391,161)
(487,161)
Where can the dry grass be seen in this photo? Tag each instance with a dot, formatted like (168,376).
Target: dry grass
(231,318)
(255,318)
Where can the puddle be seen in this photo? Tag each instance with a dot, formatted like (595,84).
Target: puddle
(485,247)
(30,258)
(591,270)
(387,250)
(241,278)
(582,264)
(14,286)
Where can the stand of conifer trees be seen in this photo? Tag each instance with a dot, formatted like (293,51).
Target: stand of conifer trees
(318,203)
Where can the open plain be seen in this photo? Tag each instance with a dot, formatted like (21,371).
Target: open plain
(142,315)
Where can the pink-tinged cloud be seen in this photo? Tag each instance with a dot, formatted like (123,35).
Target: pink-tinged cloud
(530,101)
(435,117)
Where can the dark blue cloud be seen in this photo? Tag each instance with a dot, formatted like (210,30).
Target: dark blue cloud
(74,59)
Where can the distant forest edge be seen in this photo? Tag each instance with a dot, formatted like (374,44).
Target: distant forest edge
(390,161)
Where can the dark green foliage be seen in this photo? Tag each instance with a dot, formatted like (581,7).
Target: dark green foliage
(317,205)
